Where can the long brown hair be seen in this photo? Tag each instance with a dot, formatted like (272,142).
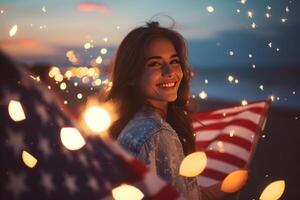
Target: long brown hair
(129,65)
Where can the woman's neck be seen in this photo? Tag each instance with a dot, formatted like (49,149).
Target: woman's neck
(161,106)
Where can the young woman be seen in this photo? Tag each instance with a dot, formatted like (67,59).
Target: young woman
(151,88)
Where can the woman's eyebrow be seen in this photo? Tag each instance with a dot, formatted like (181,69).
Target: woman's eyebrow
(159,57)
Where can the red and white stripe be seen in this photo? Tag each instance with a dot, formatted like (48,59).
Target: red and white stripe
(228,137)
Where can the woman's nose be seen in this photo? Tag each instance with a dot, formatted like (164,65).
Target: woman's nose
(167,70)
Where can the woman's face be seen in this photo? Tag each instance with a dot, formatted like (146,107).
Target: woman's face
(162,72)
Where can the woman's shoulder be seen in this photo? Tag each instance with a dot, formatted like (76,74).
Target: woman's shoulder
(140,129)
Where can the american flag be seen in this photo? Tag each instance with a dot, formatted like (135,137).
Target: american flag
(88,173)
(228,137)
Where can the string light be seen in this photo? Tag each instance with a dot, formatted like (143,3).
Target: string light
(210,9)
(13,30)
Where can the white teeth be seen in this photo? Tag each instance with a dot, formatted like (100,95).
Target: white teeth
(166,85)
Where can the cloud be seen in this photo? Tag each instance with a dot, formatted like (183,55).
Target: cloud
(27,47)
(91,7)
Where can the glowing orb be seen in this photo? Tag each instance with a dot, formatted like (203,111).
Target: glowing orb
(273,191)
(97,118)
(125,192)
(210,9)
(230,78)
(63,86)
(58,78)
(103,51)
(13,30)
(16,111)
(79,96)
(71,138)
(193,164)
(203,95)
(244,102)
(29,160)
(234,181)
(99,60)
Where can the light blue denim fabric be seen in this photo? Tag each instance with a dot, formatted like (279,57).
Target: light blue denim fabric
(154,142)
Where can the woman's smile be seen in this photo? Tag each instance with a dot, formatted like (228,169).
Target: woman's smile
(167,85)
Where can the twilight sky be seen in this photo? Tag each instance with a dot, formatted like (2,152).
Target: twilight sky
(48,29)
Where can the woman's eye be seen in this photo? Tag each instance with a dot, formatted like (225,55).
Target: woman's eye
(175,61)
(153,64)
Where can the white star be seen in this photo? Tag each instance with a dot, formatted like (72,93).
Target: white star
(93,183)
(42,112)
(66,153)
(44,146)
(16,142)
(83,159)
(47,182)
(107,185)
(89,147)
(70,183)
(96,164)
(60,121)
(17,184)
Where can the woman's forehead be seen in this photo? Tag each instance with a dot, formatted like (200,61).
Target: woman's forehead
(160,47)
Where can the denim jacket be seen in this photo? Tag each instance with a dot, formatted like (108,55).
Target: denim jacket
(154,142)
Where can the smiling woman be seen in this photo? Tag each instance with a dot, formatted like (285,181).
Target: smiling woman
(151,89)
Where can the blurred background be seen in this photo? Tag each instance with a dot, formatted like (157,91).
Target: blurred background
(239,50)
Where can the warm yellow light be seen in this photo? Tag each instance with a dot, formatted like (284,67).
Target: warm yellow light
(234,181)
(97,82)
(71,138)
(63,86)
(210,9)
(273,191)
(91,72)
(99,60)
(16,111)
(29,160)
(58,77)
(203,95)
(53,71)
(244,102)
(68,74)
(87,45)
(250,14)
(193,164)
(79,96)
(97,118)
(125,192)
(85,80)
(13,30)
(230,78)
(103,51)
